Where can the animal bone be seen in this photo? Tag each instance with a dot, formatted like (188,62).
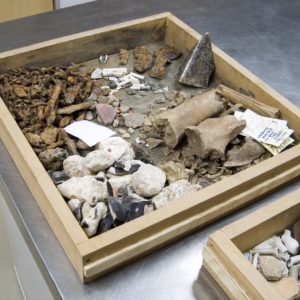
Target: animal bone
(71,144)
(173,122)
(124,55)
(143,59)
(250,151)
(291,244)
(210,138)
(248,102)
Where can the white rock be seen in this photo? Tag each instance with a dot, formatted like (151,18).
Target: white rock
(291,244)
(174,191)
(120,181)
(148,181)
(101,175)
(75,166)
(117,147)
(91,217)
(85,188)
(114,72)
(99,160)
(75,206)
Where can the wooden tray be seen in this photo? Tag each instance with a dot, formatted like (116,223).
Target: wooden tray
(95,256)
(223,256)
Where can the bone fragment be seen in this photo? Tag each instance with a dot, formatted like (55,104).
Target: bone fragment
(245,155)
(210,138)
(50,111)
(68,110)
(192,112)
(124,55)
(248,102)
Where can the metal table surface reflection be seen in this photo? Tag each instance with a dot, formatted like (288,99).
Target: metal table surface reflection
(261,35)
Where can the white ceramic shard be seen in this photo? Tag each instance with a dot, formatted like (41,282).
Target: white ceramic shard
(115,72)
(291,244)
(148,181)
(75,166)
(99,160)
(138,76)
(294,260)
(272,242)
(91,217)
(97,74)
(175,190)
(85,188)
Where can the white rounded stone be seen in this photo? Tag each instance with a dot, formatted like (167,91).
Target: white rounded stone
(75,166)
(99,160)
(85,188)
(118,182)
(91,217)
(117,147)
(148,181)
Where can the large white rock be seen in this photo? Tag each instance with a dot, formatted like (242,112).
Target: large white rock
(91,217)
(75,206)
(148,180)
(85,188)
(99,160)
(174,191)
(117,147)
(75,166)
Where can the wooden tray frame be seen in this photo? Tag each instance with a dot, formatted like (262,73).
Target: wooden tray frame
(95,256)
(223,256)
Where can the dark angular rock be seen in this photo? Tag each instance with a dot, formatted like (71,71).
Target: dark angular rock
(199,65)
(105,223)
(58,176)
(117,210)
(137,209)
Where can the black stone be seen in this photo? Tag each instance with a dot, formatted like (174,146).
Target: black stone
(199,65)
(118,210)
(136,209)
(58,176)
(105,223)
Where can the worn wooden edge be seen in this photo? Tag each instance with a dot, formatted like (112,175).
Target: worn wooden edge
(232,73)
(247,277)
(273,218)
(87,45)
(219,273)
(228,243)
(49,200)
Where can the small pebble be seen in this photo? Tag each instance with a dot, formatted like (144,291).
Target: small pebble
(131,130)
(124,109)
(89,116)
(122,131)
(131,92)
(115,103)
(115,123)
(142,93)
(126,135)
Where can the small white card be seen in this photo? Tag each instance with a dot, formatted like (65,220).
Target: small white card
(266,130)
(89,132)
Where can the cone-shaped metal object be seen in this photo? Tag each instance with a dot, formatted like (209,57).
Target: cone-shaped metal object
(199,65)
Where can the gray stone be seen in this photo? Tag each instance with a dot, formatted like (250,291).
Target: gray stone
(52,159)
(134,120)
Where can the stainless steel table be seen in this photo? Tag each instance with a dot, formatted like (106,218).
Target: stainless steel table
(261,35)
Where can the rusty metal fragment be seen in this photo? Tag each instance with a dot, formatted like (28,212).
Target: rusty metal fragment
(199,65)
(143,59)
(50,111)
(68,110)
(124,56)
(162,57)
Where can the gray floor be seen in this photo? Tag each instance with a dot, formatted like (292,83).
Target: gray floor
(9,288)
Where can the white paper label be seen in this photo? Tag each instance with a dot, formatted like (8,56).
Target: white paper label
(89,132)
